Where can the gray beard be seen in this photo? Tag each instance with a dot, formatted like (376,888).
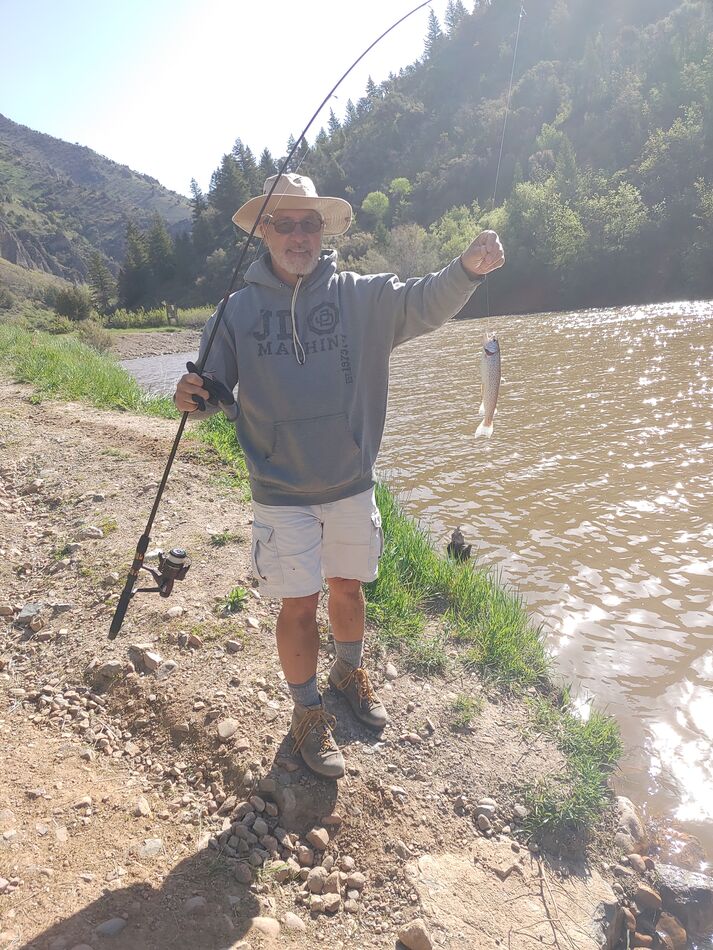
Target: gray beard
(293,268)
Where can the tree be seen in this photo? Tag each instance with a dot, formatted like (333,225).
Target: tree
(371,90)
(455,230)
(73,302)
(376,205)
(102,286)
(455,11)
(198,201)
(350,113)
(135,275)
(266,167)
(333,124)
(434,36)
(161,259)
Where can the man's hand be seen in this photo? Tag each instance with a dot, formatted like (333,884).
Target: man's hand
(484,255)
(189,385)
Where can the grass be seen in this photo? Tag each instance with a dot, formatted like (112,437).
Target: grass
(222,538)
(464,709)
(423,603)
(234,601)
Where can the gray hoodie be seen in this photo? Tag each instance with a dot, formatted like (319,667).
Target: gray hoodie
(311,432)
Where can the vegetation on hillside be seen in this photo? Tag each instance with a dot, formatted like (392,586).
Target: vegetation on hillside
(604,186)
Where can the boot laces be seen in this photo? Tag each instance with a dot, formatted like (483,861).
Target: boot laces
(365,691)
(319,720)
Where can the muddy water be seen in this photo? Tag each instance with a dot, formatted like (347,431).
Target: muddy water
(594,499)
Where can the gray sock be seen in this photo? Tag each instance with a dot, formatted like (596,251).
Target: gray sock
(306,694)
(349,651)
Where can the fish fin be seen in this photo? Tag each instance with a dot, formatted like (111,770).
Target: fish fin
(481,411)
(484,430)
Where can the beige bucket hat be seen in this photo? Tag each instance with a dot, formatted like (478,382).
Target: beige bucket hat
(296,192)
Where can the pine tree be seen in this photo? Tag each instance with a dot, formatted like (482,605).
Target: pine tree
(350,114)
(371,90)
(101,283)
(455,11)
(161,259)
(198,201)
(134,276)
(333,124)
(434,35)
(266,168)
(228,191)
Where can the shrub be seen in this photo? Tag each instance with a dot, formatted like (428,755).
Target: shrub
(72,302)
(94,335)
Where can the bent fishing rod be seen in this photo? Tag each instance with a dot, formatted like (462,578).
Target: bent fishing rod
(174,565)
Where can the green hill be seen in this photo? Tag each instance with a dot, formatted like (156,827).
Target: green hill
(60,202)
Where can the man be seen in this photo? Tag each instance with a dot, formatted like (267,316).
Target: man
(309,350)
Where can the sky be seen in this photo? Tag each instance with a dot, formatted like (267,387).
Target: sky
(166,86)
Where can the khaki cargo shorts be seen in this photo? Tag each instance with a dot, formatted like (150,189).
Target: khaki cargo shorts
(294,547)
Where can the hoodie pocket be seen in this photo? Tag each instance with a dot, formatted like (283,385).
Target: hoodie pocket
(310,455)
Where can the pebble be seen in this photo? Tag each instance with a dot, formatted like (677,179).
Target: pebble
(151,847)
(318,838)
(174,612)
(484,823)
(266,925)
(227,728)
(91,531)
(293,922)
(112,927)
(234,646)
(647,899)
(415,936)
(196,906)
(253,622)
(637,863)
(391,673)
(520,813)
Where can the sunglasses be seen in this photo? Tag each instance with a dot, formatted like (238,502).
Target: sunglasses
(287,225)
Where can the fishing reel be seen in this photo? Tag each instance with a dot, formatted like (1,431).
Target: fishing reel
(172,567)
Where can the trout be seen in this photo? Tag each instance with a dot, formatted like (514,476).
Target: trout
(490,375)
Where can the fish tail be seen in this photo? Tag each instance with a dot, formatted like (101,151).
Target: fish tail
(481,411)
(484,430)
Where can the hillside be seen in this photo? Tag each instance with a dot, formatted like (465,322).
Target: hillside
(60,202)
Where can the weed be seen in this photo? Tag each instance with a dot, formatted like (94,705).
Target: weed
(108,525)
(234,602)
(464,709)
(222,538)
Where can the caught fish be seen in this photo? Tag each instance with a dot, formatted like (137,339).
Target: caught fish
(490,375)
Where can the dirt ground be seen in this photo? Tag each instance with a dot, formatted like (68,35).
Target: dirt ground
(129,346)
(125,819)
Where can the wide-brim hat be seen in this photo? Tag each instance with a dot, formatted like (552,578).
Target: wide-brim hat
(296,192)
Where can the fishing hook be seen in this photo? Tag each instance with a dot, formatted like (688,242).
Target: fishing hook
(143,543)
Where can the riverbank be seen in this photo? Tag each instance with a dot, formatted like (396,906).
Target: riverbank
(471,720)
(133,344)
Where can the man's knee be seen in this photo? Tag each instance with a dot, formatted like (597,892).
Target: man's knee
(344,588)
(300,610)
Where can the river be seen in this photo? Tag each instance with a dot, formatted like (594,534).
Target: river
(593,499)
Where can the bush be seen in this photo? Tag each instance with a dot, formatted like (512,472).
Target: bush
(7,299)
(73,302)
(95,336)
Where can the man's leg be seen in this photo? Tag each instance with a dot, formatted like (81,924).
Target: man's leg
(298,639)
(348,676)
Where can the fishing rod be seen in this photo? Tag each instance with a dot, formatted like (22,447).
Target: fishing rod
(175,564)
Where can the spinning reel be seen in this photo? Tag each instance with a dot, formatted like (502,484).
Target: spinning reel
(171,567)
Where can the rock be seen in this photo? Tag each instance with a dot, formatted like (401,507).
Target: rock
(28,613)
(331,884)
(142,809)
(173,612)
(235,646)
(415,936)
(520,813)
(351,906)
(260,827)
(267,926)
(484,823)
(641,940)
(243,873)
(166,669)
(293,922)
(89,533)
(227,729)
(630,834)
(346,863)
(150,848)
(196,906)
(315,880)
(688,896)
(637,863)
(485,809)
(356,880)
(318,838)
(108,671)
(391,673)
(332,903)
(667,927)
(112,927)
(316,904)
(647,899)
(253,622)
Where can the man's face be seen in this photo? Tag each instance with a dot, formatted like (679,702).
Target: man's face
(297,251)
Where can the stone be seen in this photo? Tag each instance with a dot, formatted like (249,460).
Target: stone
(316,904)
(166,669)
(196,906)
(351,906)
(630,834)
(689,896)
(305,856)
(28,613)
(260,827)
(151,847)
(227,729)
(89,533)
(234,646)
(318,838)
(267,926)
(520,813)
(641,940)
(415,936)
(293,922)
(331,884)
(647,899)
(173,612)
(315,880)
(391,673)
(332,903)
(112,927)
(484,823)
(356,880)
(637,863)
(668,927)
(243,873)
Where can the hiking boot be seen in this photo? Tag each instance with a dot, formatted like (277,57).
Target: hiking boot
(353,683)
(312,731)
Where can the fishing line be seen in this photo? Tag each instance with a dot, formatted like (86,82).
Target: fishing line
(143,543)
(505,125)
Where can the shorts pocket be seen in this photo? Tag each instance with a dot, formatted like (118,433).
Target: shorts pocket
(265,562)
(376,546)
